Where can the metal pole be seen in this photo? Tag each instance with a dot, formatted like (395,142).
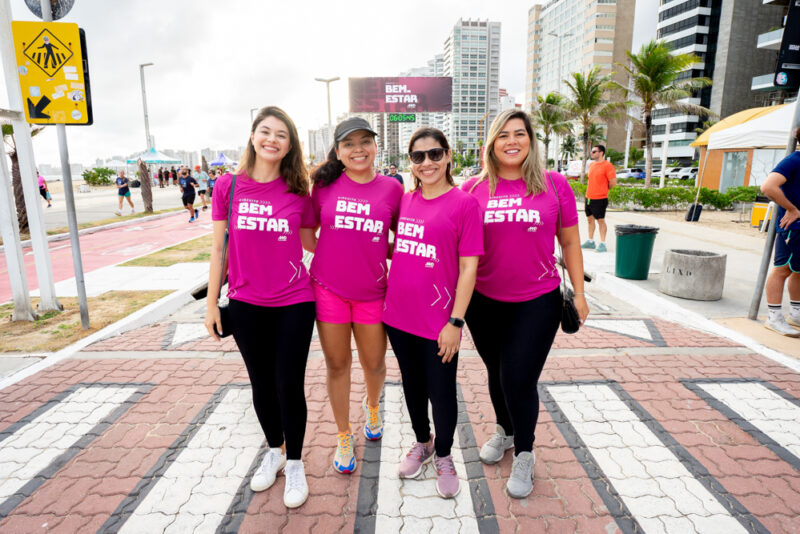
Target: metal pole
(327,82)
(27,167)
(664,150)
(144,105)
(755,302)
(72,220)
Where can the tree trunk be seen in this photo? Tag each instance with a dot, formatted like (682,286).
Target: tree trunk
(648,136)
(585,151)
(204,164)
(19,196)
(147,187)
(547,151)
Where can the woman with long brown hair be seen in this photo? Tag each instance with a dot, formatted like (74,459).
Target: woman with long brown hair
(271,303)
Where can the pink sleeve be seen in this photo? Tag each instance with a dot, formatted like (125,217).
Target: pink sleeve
(308,218)
(467,185)
(316,202)
(396,209)
(569,212)
(219,201)
(470,239)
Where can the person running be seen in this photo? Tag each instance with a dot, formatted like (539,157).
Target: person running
(212,179)
(356,209)
(123,192)
(43,189)
(516,307)
(602,177)
(188,185)
(271,314)
(439,239)
(202,187)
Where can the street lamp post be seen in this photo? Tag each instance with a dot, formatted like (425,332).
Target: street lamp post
(560,37)
(251,114)
(327,82)
(144,105)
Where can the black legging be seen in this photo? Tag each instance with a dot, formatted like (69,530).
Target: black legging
(513,340)
(274,343)
(426,377)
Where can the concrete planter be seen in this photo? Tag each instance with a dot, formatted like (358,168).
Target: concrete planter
(693,274)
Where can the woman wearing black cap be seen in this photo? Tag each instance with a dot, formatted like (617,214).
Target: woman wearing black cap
(356,208)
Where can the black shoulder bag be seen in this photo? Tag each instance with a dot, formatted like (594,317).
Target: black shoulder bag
(224,314)
(570,321)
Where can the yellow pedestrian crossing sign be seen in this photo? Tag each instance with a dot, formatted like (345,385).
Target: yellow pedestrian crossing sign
(53,72)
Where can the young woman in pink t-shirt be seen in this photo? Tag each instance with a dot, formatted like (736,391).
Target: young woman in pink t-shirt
(356,208)
(271,304)
(516,307)
(439,239)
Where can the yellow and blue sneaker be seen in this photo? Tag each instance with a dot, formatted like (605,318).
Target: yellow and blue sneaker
(373,428)
(344,461)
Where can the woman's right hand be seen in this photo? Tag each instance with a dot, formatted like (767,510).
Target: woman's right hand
(212,320)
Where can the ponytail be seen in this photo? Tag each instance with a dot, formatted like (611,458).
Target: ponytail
(328,171)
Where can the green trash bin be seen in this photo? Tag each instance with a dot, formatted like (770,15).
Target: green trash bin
(634,251)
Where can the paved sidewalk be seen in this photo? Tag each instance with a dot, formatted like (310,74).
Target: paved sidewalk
(646,426)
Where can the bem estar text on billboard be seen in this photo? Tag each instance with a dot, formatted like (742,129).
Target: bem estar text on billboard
(401,95)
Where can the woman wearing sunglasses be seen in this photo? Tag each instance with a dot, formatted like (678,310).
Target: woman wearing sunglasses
(514,324)
(438,242)
(356,208)
(271,303)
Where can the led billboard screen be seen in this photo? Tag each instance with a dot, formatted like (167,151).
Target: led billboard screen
(401,95)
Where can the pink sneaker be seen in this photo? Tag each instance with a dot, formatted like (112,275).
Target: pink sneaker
(411,466)
(447,480)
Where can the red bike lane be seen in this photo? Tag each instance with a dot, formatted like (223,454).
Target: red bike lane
(109,247)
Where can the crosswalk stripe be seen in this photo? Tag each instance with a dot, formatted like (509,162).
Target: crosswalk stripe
(658,485)
(196,490)
(34,449)
(764,411)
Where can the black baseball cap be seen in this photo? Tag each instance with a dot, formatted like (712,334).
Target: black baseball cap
(348,126)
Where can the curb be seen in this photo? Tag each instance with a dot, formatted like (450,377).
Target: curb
(646,302)
(110,226)
(147,315)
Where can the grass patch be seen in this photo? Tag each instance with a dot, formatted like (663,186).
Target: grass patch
(55,330)
(196,250)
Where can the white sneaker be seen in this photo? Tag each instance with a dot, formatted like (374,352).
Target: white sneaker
(793,319)
(296,491)
(494,449)
(520,483)
(133,211)
(117,212)
(782,327)
(264,477)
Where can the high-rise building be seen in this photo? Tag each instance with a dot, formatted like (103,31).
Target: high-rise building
(767,93)
(434,67)
(472,59)
(566,36)
(318,144)
(723,35)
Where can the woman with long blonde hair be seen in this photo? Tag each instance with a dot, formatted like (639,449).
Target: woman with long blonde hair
(516,306)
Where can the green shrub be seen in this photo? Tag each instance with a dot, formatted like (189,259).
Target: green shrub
(578,188)
(743,193)
(98,176)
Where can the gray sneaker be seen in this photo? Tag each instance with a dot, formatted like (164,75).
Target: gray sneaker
(793,319)
(520,483)
(494,449)
(782,327)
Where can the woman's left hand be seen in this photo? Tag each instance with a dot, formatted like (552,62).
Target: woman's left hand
(582,307)
(449,341)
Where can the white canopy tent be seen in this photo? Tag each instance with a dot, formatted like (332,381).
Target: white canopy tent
(768,131)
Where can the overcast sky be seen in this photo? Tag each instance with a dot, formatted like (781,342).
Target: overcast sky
(214,61)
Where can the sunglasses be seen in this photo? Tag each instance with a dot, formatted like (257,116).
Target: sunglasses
(435,154)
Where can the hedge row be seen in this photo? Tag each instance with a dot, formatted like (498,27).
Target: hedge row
(672,197)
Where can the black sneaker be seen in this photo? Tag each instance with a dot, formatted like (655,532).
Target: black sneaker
(196,213)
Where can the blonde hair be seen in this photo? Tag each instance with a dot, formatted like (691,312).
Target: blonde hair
(532,167)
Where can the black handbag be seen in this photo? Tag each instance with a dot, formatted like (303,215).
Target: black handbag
(570,320)
(224,313)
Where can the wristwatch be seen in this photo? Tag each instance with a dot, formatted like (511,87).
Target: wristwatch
(455,321)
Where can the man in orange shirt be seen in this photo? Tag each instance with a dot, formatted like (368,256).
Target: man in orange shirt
(602,177)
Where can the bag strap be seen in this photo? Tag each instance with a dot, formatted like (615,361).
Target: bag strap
(558,229)
(227,237)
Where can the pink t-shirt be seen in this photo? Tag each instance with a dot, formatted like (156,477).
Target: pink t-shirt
(355,220)
(519,235)
(265,255)
(431,236)
(41,181)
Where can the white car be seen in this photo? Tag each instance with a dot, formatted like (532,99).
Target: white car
(687,173)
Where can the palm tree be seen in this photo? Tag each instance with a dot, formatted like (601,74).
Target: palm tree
(634,155)
(146,185)
(589,105)
(654,71)
(705,126)
(16,176)
(597,135)
(568,147)
(549,116)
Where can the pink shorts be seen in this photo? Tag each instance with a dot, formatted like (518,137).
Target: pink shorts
(331,308)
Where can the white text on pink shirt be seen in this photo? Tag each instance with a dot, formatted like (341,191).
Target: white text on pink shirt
(250,217)
(510,210)
(355,221)
(414,248)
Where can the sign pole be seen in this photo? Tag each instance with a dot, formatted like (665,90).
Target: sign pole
(22,136)
(72,220)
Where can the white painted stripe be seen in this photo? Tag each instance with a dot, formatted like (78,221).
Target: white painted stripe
(660,492)
(412,506)
(763,408)
(185,332)
(633,327)
(197,489)
(34,446)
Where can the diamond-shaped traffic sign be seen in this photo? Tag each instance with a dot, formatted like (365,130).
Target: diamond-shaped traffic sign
(48,53)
